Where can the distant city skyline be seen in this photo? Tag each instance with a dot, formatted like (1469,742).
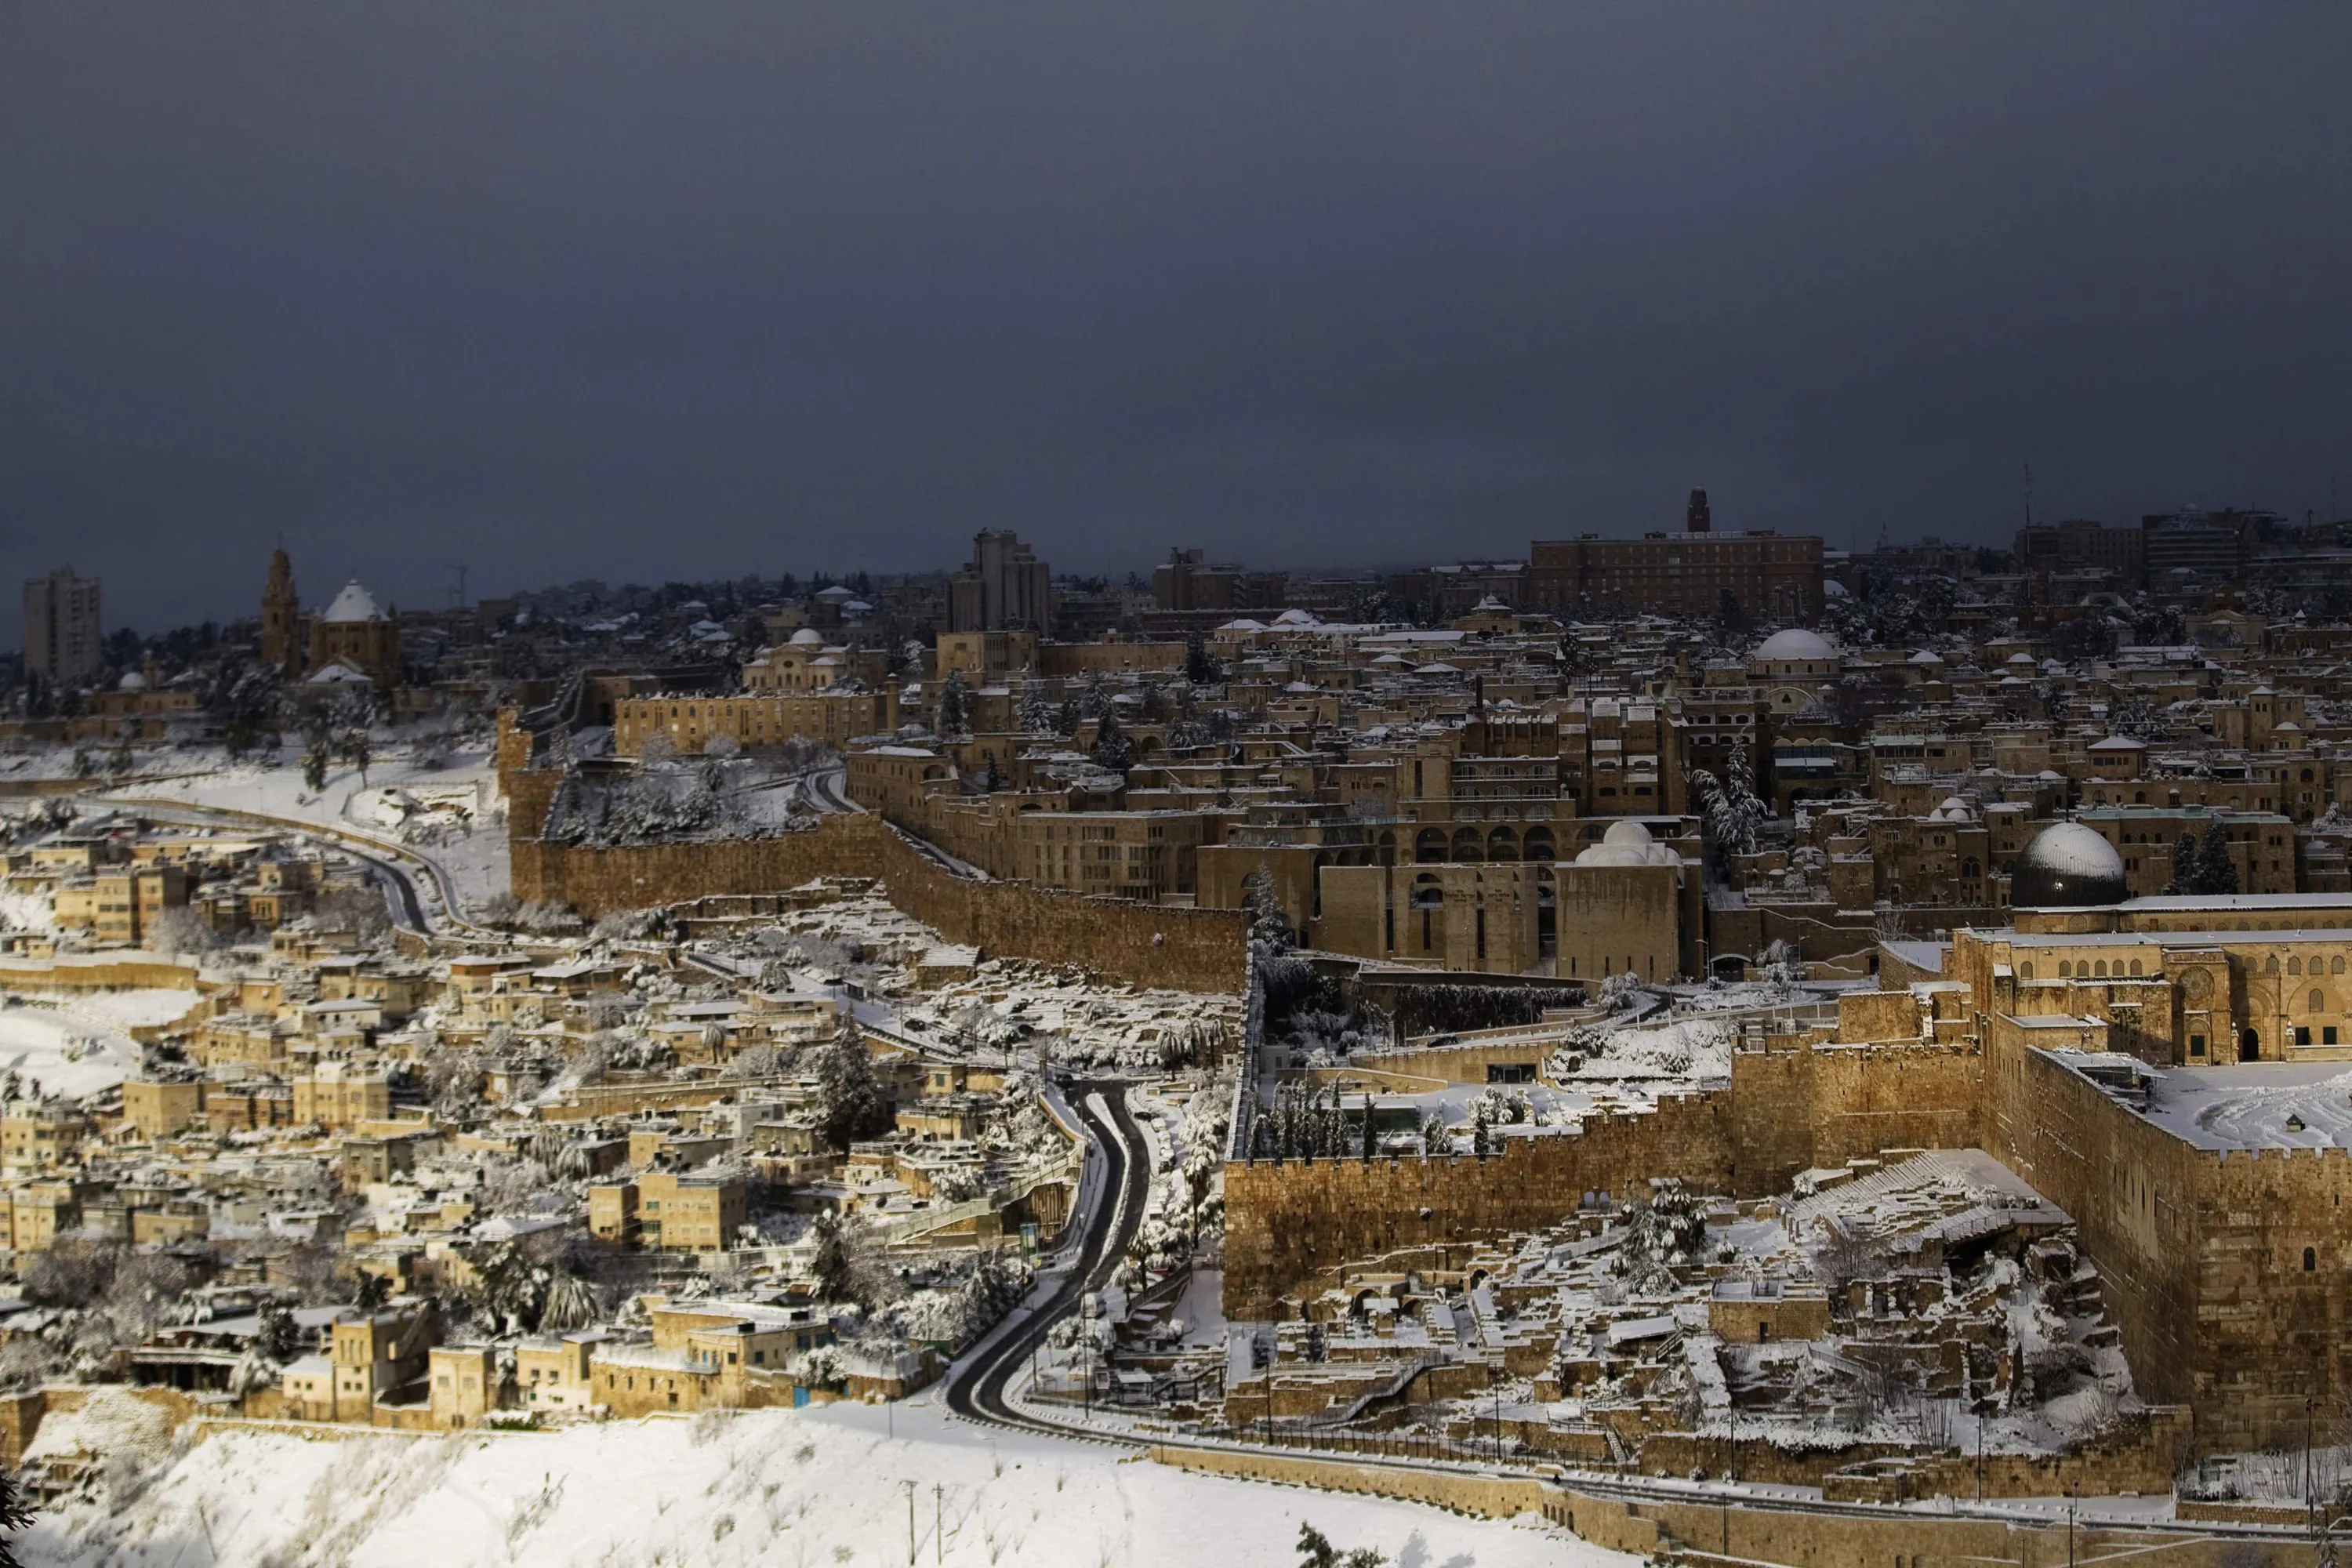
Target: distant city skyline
(586,292)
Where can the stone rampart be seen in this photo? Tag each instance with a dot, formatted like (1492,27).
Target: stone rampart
(1288,1219)
(1141,944)
(1785,1111)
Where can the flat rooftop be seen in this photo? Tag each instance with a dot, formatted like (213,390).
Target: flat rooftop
(2256,1105)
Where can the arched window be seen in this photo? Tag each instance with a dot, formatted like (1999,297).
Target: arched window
(2270,964)
(1540,845)
(1388,847)
(2318,1001)
(2336,964)
(2101,969)
(2295,966)
(1969,871)
(2025,970)
(1503,844)
(1428,897)
(2065,970)
(1429,846)
(1465,845)
(2135,969)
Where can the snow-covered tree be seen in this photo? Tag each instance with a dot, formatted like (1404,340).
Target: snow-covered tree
(955,705)
(1112,750)
(850,1104)
(1269,927)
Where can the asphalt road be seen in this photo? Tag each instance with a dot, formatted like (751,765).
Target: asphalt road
(976,1388)
(407,910)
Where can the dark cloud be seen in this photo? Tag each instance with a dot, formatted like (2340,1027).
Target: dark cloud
(641,292)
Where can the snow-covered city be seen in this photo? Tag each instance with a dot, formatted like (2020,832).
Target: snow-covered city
(1195,787)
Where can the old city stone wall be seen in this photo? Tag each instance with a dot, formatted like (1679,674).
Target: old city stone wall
(1785,1111)
(2132,1189)
(1141,944)
(2271,1268)
(1287,1220)
(1795,1110)
(597,882)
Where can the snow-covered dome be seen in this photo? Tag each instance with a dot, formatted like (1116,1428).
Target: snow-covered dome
(807,636)
(2067,867)
(1795,644)
(1954,809)
(134,681)
(352,605)
(1295,618)
(1628,843)
(1925,657)
(1833,589)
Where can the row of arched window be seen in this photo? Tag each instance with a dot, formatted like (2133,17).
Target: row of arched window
(1432,846)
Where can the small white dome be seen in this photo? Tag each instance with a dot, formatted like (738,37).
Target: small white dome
(134,681)
(1795,644)
(1629,833)
(807,636)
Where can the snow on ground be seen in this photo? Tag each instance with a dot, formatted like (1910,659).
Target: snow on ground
(829,1485)
(2256,1105)
(1693,1051)
(424,807)
(149,1008)
(25,911)
(68,1050)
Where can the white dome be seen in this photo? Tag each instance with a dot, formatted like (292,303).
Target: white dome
(807,636)
(134,681)
(353,604)
(1628,843)
(1796,643)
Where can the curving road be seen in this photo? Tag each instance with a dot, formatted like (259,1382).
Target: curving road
(406,909)
(976,1386)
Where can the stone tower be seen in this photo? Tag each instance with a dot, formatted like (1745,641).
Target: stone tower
(279,609)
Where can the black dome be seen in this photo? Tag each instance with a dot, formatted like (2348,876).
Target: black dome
(2067,867)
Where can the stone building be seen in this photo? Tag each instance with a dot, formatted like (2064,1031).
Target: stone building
(354,634)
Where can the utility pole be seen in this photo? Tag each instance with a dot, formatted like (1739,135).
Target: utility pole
(939,1523)
(910,1524)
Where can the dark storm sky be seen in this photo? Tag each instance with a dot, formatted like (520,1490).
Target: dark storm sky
(672,290)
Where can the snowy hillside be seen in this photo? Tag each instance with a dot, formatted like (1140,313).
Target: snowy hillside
(803,1487)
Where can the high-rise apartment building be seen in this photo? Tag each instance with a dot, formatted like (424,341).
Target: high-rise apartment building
(63,640)
(1005,588)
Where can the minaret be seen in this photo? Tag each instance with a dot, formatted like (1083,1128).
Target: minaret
(279,610)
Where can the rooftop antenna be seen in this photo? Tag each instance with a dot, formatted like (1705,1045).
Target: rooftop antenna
(2029,495)
(461,585)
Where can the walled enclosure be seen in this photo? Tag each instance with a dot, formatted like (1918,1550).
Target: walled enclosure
(1786,1111)
(1141,944)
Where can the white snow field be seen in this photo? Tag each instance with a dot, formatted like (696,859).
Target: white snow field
(442,812)
(75,1049)
(810,1488)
